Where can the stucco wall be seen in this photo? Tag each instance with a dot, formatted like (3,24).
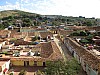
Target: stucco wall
(18,63)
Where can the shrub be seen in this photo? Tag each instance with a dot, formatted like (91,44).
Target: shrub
(11,74)
(83,33)
(22,72)
(34,38)
(75,34)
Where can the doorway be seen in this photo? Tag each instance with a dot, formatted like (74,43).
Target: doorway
(26,63)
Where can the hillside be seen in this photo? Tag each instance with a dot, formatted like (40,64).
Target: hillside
(16,17)
(7,13)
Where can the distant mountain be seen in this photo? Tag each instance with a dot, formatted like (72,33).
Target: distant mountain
(7,13)
(14,17)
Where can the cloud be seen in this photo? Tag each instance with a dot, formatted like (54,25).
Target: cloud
(10,6)
(40,6)
(88,8)
(25,1)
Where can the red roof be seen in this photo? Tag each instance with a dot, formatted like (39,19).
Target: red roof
(5,70)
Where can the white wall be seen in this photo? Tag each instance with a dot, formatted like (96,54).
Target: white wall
(7,64)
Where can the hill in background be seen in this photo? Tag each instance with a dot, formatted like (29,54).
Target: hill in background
(26,19)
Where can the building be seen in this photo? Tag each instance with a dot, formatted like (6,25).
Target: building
(89,61)
(4,66)
(33,55)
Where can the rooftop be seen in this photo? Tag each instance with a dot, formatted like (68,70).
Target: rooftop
(85,54)
(45,34)
(4,32)
(2,62)
(47,50)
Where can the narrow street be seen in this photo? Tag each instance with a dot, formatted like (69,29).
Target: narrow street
(63,49)
(59,46)
(65,52)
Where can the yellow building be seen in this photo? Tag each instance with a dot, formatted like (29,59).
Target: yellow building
(25,62)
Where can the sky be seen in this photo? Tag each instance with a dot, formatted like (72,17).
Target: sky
(85,8)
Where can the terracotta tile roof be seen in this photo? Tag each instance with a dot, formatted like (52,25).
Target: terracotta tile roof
(28,59)
(16,35)
(4,32)
(29,28)
(40,29)
(21,42)
(24,34)
(97,28)
(65,32)
(33,49)
(45,34)
(48,52)
(31,34)
(56,52)
(1,40)
(89,58)
(76,27)
(46,49)
(13,31)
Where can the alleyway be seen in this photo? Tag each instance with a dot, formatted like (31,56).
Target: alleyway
(65,52)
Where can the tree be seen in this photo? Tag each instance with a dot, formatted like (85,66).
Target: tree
(6,24)
(88,23)
(22,72)
(11,74)
(27,22)
(11,17)
(35,38)
(2,26)
(35,23)
(83,33)
(71,67)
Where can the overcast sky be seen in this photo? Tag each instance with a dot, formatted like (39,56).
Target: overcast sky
(86,8)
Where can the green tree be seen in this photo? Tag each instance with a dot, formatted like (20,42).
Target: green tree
(88,23)
(11,74)
(22,72)
(83,33)
(6,24)
(27,22)
(71,67)
(11,17)
(34,38)
(2,26)
(35,23)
